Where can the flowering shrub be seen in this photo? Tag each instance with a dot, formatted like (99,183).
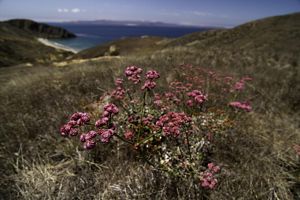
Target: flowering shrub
(170,131)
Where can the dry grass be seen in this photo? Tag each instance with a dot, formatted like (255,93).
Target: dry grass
(36,163)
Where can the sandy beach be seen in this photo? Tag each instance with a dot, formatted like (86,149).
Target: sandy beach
(56,45)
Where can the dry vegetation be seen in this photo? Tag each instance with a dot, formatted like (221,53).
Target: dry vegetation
(257,157)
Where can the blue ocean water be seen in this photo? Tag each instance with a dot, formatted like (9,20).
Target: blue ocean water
(92,35)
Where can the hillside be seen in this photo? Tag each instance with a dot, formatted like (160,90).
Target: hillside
(124,47)
(259,156)
(18,43)
(40,29)
(267,48)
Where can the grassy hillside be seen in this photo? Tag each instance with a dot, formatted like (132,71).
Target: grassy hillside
(40,29)
(257,156)
(124,47)
(19,45)
(268,49)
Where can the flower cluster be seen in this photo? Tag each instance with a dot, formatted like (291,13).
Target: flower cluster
(180,87)
(88,139)
(197,96)
(76,120)
(133,74)
(170,96)
(157,100)
(172,122)
(240,85)
(119,92)
(241,105)
(150,76)
(207,178)
(109,111)
(128,135)
(106,128)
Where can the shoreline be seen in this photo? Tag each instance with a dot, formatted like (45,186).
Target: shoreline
(56,45)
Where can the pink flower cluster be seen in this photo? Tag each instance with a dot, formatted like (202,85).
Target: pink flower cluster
(149,84)
(172,122)
(180,87)
(170,96)
(119,92)
(109,111)
(147,120)
(133,74)
(106,134)
(207,178)
(89,138)
(157,100)
(241,105)
(240,85)
(128,135)
(76,120)
(197,96)
(150,76)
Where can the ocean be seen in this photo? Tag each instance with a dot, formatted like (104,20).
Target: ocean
(92,35)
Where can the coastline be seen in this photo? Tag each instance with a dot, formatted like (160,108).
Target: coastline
(56,45)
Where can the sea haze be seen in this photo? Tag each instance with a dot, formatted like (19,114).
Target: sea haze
(89,35)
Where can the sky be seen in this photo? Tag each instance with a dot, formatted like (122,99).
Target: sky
(188,12)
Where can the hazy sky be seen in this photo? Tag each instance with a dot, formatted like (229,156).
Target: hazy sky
(192,12)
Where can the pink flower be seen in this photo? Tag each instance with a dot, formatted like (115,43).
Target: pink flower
(190,103)
(128,135)
(152,74)
(105,114)
(82,137)
(89,144)
(90,135)
(132,72)
(73,132)
(119,82)
(171,123)
(149,84)
(207,178)
(72,123)
(102,122)
(197,97)
(106,135)
(76,116)
(80,118)
(240,85)
(85,118)
(241,105)
(214,168)
(118,93)
(111,108)
(247,78)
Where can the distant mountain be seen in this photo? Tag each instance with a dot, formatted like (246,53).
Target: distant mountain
(129,23)
(19,44)
(40,29)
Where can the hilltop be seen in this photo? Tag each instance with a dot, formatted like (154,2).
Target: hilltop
(19,44)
